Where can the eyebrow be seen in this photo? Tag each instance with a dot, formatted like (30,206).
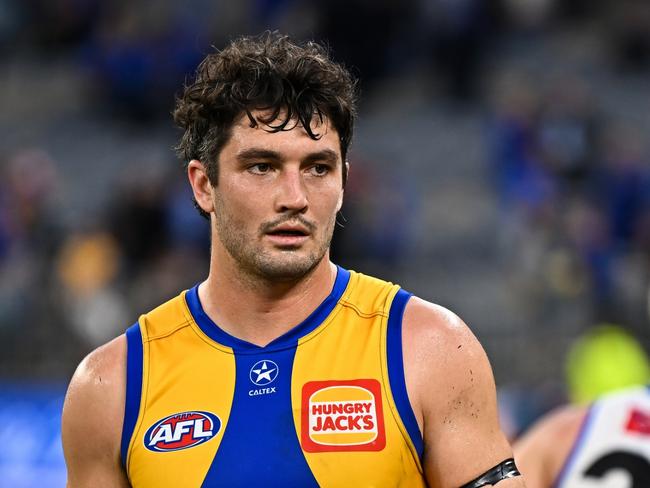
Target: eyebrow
(252,154)
(326,155)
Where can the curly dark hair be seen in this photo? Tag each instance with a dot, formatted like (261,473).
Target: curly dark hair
(293,82)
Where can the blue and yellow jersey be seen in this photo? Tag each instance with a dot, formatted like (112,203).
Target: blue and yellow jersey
(323,405)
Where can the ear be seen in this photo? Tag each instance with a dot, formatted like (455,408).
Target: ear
(347,172)
(201,186)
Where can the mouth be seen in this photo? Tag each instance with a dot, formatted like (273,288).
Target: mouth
(288,232)
(288,236)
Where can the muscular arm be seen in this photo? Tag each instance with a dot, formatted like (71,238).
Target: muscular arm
(92,419)
(452,391)
(542,451)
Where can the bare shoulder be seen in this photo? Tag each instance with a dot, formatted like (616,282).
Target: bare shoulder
(440,348)
(93,412)
(100,376)
(436,325)
(543,449)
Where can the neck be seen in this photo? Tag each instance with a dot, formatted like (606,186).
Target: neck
(258,310)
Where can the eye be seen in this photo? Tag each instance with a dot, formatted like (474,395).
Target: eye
(260,168)
(319,169)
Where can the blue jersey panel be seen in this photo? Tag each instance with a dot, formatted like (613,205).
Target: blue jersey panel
(133,386)
(260,439)
(396,369)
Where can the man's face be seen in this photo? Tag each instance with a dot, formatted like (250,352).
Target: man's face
(276,201)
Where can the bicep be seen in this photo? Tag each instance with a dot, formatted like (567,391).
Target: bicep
(463,438)
(450,381)
(88,462)
(88,465)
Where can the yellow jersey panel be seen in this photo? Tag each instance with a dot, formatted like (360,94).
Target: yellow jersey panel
(181,373)
(343,405)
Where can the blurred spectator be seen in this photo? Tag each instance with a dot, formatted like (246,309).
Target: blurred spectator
(161,280)
(458,34)
(87,267)
(377,222)
(186,229)
(567,131)
(623,186)
(29,232)
(588,237)
(297,18)
(27,203)
(529,14)
(11,20)
(61,23)
(141,54)
(362,33)
(522,181)
(628,26)
(137,219)
(88,263)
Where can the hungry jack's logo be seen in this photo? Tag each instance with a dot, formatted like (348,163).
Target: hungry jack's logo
(342,416)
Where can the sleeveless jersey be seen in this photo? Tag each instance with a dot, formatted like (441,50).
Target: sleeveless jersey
(612,449)
(323,405)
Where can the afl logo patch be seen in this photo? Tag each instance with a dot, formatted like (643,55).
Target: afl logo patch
(342,416)
(182,431)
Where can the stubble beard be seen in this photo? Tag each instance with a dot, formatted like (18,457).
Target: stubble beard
(261,264)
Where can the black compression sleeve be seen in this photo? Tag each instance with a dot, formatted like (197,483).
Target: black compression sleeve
(505,469)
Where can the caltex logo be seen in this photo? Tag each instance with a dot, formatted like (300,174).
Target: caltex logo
(264,372)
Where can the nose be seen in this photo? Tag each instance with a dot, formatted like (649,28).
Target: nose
(291,193)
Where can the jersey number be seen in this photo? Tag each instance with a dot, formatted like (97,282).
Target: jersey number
(637,466)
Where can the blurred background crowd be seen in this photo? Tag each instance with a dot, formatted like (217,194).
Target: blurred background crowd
(501,168)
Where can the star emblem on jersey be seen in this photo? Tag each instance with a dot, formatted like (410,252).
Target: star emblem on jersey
(264,372)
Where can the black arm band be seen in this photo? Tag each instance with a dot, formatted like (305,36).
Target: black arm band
(504,470)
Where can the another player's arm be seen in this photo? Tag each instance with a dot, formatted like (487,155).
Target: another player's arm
(452,391)
(542,451)
(92,419)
